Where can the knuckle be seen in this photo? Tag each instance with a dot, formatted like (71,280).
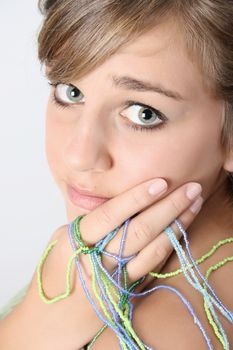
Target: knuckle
(162,253)
(176,206)
(142,231)
(135,198)
(106,217)
(185,220)
(177,231)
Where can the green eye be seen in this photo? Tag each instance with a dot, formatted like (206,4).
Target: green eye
(68,94)
(143,115)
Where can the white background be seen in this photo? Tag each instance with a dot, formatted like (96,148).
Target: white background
(31,204)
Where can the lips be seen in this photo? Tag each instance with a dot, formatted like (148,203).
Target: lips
(84,199)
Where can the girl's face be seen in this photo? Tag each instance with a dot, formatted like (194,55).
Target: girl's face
(142,114)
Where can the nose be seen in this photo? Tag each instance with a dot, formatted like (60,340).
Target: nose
(87,149)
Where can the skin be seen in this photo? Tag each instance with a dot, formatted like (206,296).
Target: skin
(90,145)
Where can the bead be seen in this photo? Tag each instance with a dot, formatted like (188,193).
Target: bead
(113,292)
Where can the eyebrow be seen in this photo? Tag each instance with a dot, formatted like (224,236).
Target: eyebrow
(131,83)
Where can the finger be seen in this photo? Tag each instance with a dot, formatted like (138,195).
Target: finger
(147,225)
(154,256)
(117,210)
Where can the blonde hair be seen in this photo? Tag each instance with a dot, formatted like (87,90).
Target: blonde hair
(77,36)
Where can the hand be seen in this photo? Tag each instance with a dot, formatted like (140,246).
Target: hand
(145,237)
(152,213)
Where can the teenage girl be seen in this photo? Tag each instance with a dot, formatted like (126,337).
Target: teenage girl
(139,125)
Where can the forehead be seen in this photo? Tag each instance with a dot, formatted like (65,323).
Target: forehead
(160,55)
(155,40)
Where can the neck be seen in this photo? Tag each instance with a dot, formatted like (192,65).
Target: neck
(215,218)
(213,223)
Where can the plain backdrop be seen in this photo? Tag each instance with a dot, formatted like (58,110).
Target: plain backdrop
(31,205)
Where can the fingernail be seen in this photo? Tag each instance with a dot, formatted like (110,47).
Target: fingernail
(193,190)
(157,187)
(196,207)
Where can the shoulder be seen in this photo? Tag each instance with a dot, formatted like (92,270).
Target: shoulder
(161,319)
(167,313)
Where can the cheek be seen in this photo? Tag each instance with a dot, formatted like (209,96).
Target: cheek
(54,140)
(178,157)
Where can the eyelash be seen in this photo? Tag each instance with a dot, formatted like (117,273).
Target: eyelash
(61,105)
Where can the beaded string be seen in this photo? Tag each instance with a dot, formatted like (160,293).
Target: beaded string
(198,261)
(211,269)
(85,286)
(174,273)
(96,276)
(103,319)
(217,326)
(172,289)
(120,268)
(117,324)
(228,314)
(196,320)
(121,265)
(79,237)
(68,274)
(211,321)
(195,282)
(121,332)
(99,246)
(122,291)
